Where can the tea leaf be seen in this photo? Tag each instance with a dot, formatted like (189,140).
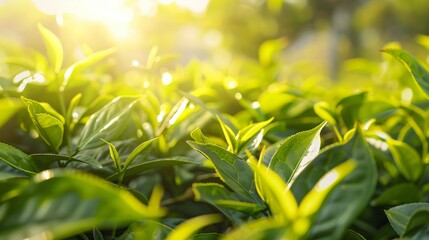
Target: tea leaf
(401,215)
(139,168)
(17,159)
(106,123)
(43,161)
(350,196)
(229,136)
(81,65)
(226,201)
(398,194)
(247,134)
(273,190)
(114,155)
(68,203)
(48,122)
(143,147)
(233,170)
(186,229)
(295,153)
(54,48)
(312,202)
(261,229)
(407,159)
(417,71)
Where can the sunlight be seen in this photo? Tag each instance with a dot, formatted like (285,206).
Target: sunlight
(167,78)
(114,14)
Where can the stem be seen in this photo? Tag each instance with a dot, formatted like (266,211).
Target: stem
(64,113)
(338,134)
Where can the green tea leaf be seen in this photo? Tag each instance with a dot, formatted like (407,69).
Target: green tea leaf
(313,201)
(114,155)
(274,191)
(96,234)
(399,216)
(186,229)
(233,170)
(54,48)
(107,123)
(146,229)
(17,159)
(43,161)
(143,147)
(48,122)
(349,108)
(50,128)
(417,71)
(350,196)
(226,201)
(295,153)
(247,134)
(35,107)
(229,136)
(58,204)
(138,168)
(352,235)
(418,226)
(398,194)
(323,110)
(75,69)
(262,229)
(406,158)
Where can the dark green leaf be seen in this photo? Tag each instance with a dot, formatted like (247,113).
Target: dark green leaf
(295,153)
(351,195)
(349,108)
(43,161)
(352,235)
(398,194)
(233,170)
(226,201)
(418,226)
(17,159)
(141,167)
(96,234)
(107,123)
(400,216)
(142,148)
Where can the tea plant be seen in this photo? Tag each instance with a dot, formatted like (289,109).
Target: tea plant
(88,157)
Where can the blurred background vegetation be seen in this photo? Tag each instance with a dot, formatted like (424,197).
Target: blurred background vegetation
(324,33)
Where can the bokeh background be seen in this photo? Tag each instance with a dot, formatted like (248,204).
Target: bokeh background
(325,34)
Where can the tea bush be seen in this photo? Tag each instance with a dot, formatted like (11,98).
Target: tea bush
(197,153)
